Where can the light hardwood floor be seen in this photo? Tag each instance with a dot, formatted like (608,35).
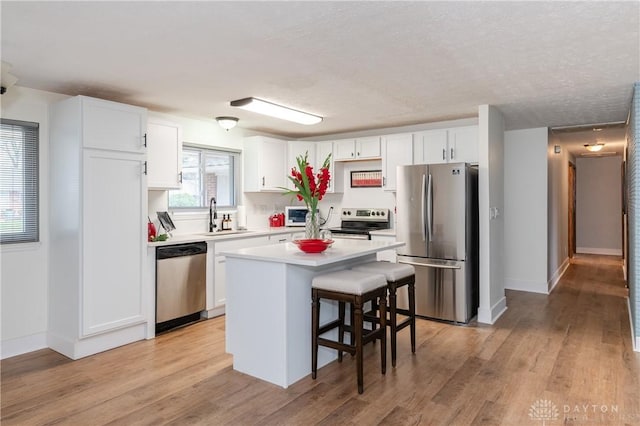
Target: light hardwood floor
(570,350)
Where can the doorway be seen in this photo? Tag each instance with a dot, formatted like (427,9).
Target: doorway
(572,210)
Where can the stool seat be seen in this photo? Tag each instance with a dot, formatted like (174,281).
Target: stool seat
(392,271)
(349,281)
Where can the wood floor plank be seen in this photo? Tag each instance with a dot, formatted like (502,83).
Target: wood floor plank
(571,348)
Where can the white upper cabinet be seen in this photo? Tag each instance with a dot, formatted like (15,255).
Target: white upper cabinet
(357,149)
(265,164)
(463,144)
(458,144)
(344,149)
(397,150)
(296,149)
(164,155)
(335,170)
(113,126)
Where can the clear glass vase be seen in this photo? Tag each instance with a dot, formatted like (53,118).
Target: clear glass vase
(312,225)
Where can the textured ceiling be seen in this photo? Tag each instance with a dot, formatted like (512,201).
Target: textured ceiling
(361,65)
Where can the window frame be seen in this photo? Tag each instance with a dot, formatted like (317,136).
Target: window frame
(237,165)
(31,185)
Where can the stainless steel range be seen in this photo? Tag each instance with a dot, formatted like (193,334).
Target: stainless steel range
(357,223)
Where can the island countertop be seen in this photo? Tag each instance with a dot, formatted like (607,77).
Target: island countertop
(289,253)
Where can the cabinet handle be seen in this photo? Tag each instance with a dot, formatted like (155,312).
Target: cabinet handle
(145,168)
(452,153)
(352,154)
(180,177)
(384,181)
(282,240)
(145,140)
(262,180)
(444,153)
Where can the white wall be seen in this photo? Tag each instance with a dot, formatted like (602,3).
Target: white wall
(491,196)
(558,212)
(525,210)
(24,267)
(599,205)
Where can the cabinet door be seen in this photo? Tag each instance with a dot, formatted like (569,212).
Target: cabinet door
(322,150)
(299,148)
(113,126)
(220,286)
(385,255)
(368,147)
(273,164)
(463,144)
(432,146)
(397,150)
(113,241)
(344,150)
(164,155)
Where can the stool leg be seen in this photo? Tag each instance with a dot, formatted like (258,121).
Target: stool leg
(352,322)
(315,324)
(383,338)
(392,321)
(356,329)
(412,310)
(340,327)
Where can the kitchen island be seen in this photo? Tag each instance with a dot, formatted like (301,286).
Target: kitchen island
(268,312)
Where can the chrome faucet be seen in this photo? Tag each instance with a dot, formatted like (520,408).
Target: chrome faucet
(213,214)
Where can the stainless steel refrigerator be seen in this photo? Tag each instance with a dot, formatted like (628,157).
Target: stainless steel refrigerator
(437,218)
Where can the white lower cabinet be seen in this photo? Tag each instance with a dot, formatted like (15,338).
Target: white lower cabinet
(386,255)
(218,286)
(98,210)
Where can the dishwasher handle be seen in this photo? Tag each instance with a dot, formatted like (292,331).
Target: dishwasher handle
(180,250)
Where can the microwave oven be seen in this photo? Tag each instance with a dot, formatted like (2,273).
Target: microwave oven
(295,215)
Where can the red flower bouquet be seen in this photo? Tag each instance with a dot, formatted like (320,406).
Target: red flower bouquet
(310,186)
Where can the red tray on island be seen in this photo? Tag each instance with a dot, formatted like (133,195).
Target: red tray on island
(313,245)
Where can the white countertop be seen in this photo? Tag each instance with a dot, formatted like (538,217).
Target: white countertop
(291,254)
(224,235)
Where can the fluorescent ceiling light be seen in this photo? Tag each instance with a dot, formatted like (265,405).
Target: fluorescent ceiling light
(227,122)
(278,111)
(594,147)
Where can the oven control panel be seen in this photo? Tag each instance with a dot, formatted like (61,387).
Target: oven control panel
(353,214)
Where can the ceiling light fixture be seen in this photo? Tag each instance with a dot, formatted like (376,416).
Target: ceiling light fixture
(227,122)
(278,111)
(594,147)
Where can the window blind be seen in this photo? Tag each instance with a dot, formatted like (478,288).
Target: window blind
(19,215)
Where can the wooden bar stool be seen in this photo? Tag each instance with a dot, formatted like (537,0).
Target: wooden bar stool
(397,275)
(355,288)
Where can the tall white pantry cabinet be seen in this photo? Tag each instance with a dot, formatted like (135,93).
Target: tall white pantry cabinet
(98,225)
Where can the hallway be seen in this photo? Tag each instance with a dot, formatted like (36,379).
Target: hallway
(563,358)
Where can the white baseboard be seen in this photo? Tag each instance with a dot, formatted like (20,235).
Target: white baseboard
(22,345)
(595,250)
(525,285)
(634,342)
(490,316)
(76,349)
(555,278)
(215,312)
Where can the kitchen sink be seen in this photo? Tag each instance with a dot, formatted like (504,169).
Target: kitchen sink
(231,232)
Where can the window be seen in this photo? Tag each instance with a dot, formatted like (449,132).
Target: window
(18,182)
(206,173)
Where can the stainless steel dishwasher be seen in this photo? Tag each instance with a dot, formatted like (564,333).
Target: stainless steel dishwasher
(180,284)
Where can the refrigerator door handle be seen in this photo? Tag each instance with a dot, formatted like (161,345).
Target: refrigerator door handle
(430,208)
(430,265)
(423,208)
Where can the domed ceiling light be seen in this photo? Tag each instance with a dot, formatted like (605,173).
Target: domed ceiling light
(227,122)
(594,147)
